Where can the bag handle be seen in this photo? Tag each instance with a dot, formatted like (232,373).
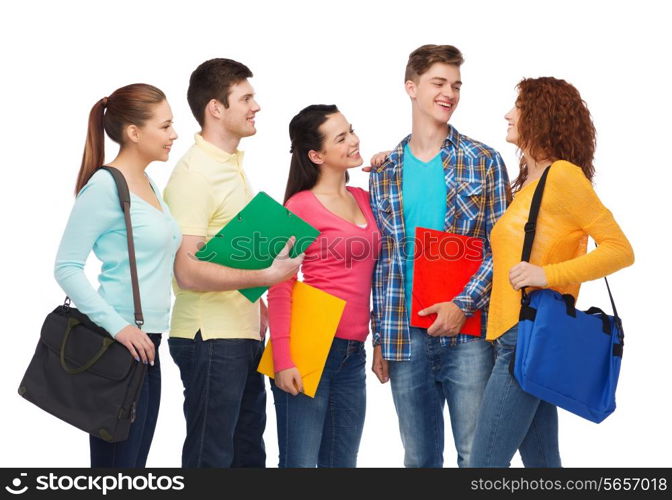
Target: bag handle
(125,202)
(531,230)
(107,342)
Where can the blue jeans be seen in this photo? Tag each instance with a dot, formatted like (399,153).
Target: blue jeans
(224,401)
(436,374)
(511,419)
(325,431)
(134,450)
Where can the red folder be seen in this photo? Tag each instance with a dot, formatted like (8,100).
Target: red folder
(443,264)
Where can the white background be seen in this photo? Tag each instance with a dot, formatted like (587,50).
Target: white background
(58,58)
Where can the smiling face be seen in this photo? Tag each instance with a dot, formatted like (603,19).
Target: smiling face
(512,118)
(340,147)
(238,118)
(155,137)
(436,92)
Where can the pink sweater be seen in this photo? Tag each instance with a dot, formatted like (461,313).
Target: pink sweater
(340,262)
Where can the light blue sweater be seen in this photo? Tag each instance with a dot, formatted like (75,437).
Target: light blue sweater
(97,223)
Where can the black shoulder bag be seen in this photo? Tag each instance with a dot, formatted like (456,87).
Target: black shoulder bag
(79,373)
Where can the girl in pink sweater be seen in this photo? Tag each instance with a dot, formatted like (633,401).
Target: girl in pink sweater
(325,431)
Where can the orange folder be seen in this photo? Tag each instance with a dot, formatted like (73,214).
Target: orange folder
(443,264)
(315,318)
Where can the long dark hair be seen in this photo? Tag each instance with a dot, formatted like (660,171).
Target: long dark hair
(129,105)
(554,124)
(304,132)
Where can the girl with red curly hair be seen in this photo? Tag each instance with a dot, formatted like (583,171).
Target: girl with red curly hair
(551,126)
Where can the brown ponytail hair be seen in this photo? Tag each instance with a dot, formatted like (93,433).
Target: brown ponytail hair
(129,105)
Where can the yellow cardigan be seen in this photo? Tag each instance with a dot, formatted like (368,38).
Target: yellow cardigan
(570,212)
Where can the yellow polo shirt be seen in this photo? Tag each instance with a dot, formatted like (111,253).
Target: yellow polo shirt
(205,191)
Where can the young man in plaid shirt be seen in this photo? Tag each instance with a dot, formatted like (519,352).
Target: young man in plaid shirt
(440,179)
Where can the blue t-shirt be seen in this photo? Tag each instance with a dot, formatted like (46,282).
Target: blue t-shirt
(424,200)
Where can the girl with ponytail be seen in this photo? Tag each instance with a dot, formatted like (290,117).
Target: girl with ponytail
(325,431)
(138,118)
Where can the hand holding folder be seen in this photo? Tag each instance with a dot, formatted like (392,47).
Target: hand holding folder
(444,264)
(315,318)
(255,237)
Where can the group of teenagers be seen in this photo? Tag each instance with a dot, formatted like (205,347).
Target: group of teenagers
(434,178)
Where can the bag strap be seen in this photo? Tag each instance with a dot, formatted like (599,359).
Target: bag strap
(125,202)
(531,226)
(531,230)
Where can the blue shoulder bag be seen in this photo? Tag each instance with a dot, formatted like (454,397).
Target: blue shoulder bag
(567,357)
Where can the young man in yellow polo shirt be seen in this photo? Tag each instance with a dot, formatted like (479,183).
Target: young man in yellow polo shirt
(216,334)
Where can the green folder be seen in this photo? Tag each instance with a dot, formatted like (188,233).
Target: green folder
(255,236)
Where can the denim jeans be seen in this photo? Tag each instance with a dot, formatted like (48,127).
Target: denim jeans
(511,419)
(224,401)
(325,431)
(436,374)
(134,450)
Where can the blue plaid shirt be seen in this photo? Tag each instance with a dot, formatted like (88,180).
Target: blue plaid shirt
(477,193)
